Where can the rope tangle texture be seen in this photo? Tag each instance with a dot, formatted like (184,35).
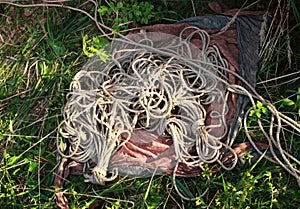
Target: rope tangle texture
(166,90)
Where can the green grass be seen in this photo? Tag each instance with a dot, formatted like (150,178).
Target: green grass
(40,54)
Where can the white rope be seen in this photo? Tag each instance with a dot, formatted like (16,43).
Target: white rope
(163,90)
(140,88)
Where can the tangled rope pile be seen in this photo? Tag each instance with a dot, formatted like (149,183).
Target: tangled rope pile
(160,92)
(166,90)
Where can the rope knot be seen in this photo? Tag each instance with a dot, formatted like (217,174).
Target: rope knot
(99,170)
(99,175)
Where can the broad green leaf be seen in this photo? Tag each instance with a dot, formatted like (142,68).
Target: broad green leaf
(288,102)
(103,10)
(258,114)
(252,112)
(120,5)
(259,104)
(264,110)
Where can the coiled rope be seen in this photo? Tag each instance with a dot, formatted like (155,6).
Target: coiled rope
(164,90)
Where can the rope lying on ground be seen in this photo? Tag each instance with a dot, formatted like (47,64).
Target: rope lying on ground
(164,90)
(141,89)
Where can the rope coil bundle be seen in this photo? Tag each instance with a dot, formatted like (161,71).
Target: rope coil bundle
(170,103)
(166,94)
(161,93)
